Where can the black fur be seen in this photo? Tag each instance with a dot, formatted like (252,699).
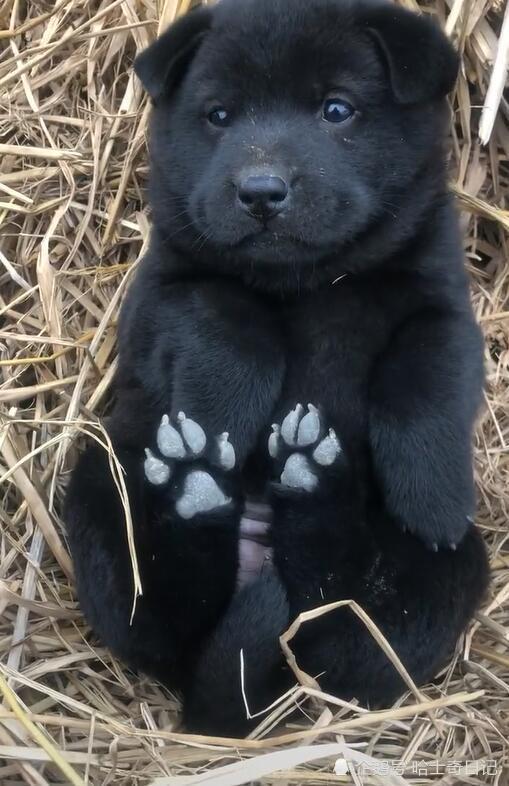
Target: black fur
(354,298)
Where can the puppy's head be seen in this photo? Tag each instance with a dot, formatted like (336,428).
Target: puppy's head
(283,130)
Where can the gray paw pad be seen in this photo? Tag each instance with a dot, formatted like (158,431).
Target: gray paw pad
(156,471)
(309,427)
(201,494)
(226,452)
(169,441)
(193,434)
(297,474)
(290,425)
(274,440)
(327,451)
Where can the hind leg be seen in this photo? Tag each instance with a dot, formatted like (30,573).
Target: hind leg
(241,668)
(185,510)
(420,600)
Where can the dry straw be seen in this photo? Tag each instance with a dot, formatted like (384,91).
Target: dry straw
(73,225)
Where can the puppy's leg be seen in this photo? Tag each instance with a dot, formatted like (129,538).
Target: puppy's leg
(424,395)
(210,350)
(314,488)
(421,601)
(188,566)
(241,670)
(326,550)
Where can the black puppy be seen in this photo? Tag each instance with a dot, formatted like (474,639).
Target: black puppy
(304,303)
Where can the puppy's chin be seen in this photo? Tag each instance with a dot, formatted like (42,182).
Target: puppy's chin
(272,248)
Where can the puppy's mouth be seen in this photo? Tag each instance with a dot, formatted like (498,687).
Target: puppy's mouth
(268,236)
(273,236)
(265,233)
(271,247)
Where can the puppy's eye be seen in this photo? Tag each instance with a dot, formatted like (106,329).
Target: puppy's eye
(335,110)
(218,117)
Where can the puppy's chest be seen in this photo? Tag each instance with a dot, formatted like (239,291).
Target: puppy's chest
(333,339)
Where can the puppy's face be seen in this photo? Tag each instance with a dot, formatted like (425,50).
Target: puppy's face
(289,128)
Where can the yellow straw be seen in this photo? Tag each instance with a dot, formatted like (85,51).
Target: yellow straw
(65,768)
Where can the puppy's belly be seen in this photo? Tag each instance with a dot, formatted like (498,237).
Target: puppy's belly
(255,553)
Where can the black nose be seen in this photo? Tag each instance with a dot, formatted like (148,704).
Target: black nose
(263,196)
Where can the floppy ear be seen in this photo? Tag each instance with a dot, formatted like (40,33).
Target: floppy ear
(162,64)
(422,64)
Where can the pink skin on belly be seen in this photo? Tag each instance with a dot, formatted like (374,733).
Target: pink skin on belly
(255,554)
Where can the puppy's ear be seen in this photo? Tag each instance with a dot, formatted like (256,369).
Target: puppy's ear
(162,64)
(422,64)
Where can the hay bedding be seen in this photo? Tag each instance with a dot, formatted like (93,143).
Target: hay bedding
(73,225)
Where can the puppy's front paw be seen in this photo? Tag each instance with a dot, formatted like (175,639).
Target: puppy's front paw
(187,458)
(303,447)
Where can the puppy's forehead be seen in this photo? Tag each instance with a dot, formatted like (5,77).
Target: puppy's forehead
(285,44)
